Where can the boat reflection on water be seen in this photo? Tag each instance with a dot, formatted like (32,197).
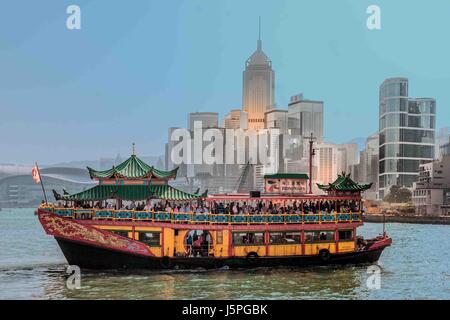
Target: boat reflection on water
(262,283)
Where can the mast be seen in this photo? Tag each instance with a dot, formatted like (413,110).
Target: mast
(42,184)
(311,155)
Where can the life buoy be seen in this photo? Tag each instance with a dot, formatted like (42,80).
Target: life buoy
(252,258)
(165,262)
(324,255)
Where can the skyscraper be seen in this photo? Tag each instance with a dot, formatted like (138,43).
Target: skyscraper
(407,135)
(306,117)
(258,94)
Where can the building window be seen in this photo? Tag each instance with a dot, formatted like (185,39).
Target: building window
(150,238)
(284,238)
(248,238)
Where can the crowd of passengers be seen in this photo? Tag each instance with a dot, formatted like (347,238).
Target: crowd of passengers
(233,208)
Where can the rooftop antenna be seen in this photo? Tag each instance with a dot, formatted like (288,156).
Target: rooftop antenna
(312,153)
(133,149)
(259,33)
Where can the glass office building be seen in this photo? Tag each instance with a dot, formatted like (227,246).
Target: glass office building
(407,135)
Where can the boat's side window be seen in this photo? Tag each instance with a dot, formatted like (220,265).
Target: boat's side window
(284,237)
(150,238)
(248,238)
(219,237)
(345,235)
(122,233)
(317,236)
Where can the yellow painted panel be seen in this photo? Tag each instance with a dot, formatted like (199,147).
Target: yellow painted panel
(156,251)
(346,246)
(242,251)
(314,248)
(179,242)
(169,243)
(220,249)
(285,250)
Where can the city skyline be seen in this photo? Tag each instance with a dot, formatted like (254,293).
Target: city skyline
(88,92)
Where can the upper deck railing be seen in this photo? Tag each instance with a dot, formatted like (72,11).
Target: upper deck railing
(204,218)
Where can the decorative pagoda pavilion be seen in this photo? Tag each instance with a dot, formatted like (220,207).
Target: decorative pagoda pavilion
(344,186)
(133,171)
(132,180)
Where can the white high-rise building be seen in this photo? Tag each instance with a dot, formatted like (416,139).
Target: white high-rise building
(277,119)
(368,166)
(208,119)
(407,134)
(443,139)
(258,94)
(327,161)
(349,156)
(236,119)
(306,117)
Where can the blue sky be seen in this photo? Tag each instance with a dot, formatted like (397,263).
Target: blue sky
(138,67)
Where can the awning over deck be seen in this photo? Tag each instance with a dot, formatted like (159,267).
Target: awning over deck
(130,193)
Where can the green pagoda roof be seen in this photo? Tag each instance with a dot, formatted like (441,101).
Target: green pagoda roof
(286,176)
(344,183)
(132,168)
(130,193)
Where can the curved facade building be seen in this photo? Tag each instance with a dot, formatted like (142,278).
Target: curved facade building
(21,190)
(407,135)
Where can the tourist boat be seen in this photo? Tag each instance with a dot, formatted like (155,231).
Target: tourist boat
(92,236)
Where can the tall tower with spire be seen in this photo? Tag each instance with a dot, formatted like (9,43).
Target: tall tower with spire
(258,94)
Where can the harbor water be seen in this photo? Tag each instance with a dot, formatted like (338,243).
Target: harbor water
(416,266)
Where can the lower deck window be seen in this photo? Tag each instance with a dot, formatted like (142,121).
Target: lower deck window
(345,235)
(150,238)
(246,238)
(284,238)
(317,236)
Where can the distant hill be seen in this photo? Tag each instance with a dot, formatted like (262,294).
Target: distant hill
(105,163)
(11,170)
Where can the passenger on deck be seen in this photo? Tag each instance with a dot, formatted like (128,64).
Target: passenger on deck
(197,246)
(189,245)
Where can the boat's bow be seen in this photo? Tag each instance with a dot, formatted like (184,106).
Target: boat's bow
(74,231)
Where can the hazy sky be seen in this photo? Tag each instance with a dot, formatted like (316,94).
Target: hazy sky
(138,67)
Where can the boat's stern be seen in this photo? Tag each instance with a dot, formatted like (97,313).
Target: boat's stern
(380,242)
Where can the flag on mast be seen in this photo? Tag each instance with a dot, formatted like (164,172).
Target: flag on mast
(35,174)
